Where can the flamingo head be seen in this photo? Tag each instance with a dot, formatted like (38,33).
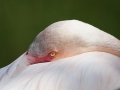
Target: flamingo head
(57,41)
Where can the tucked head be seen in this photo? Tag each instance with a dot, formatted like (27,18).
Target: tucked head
(64,39)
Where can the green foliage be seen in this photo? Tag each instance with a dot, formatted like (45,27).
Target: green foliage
(22,20)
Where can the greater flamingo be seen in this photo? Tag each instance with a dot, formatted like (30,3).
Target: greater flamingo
(67,55)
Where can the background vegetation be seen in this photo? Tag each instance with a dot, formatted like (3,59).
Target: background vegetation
(22,20)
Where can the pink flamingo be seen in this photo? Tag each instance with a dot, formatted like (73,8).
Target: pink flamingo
(67,55)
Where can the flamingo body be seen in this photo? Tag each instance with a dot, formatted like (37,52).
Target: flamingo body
(74,73)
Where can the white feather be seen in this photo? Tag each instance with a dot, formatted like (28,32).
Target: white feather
(88,71)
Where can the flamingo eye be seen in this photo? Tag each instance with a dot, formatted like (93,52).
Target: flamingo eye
(52,54)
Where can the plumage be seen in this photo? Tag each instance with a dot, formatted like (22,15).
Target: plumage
(67,55)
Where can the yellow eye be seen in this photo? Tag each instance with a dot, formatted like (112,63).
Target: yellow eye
(52,54)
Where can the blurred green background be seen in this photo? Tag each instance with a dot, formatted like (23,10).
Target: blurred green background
(22,20)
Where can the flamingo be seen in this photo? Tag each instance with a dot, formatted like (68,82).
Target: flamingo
(67,55)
